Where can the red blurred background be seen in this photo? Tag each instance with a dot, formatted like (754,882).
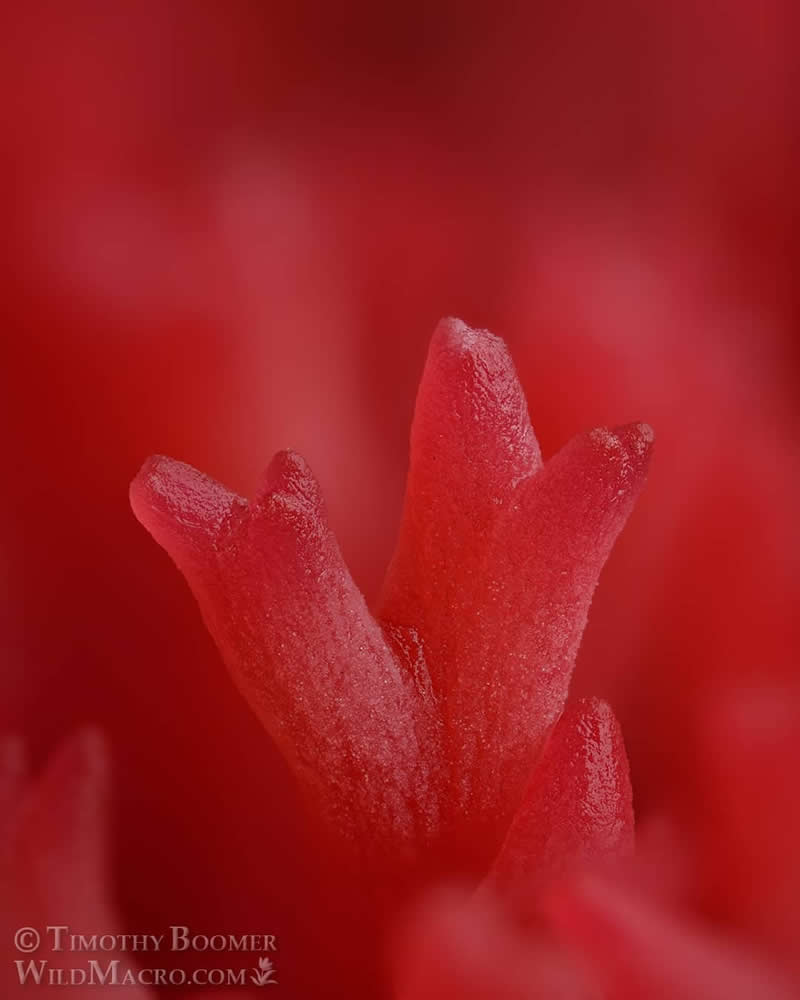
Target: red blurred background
(231,228)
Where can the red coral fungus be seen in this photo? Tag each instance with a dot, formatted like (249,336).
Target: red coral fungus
(413,734)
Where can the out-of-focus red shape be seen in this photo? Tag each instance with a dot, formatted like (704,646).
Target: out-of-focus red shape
(636,950)
(452,947)
(752,875)
(54,865)
(577,808)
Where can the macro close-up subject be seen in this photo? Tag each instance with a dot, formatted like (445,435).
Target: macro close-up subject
(401,554)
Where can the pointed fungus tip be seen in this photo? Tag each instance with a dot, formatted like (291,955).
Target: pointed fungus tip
(454,337)
(158,482)
(638,438)
(174,501)
(287,468)
(631,442)
(451,330)
(289,475)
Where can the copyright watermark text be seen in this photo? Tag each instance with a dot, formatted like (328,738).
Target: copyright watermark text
(71,964)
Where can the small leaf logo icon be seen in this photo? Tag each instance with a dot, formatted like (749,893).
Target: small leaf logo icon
(264,975)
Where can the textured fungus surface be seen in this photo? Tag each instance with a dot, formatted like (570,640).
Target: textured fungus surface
(419,730)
